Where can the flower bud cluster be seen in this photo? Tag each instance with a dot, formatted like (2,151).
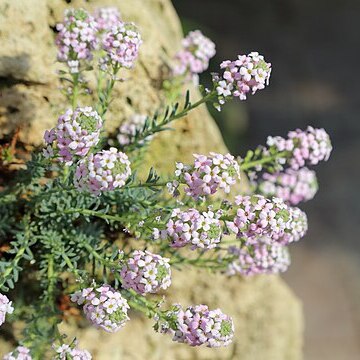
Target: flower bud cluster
(106,18)
(200,229)
(76,133)
(71,352)
(197,325)
(76,38)
(248,73)
(293,186)
(104,307)
(104,171)
(308,146)
(208,174)
(263,257)
(257,217)
(5,308)
(121,45)
(145,272)
(195,54)
(130,128)
(20,353)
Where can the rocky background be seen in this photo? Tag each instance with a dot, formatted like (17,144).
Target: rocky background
(314,49)
(267,315)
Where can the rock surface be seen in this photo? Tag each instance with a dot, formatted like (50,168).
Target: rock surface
(268,317)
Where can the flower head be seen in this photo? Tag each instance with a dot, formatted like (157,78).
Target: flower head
(104,307)
(248,74)
(198,325)
(121,45)
(208,174)
(76,38)
(20,353)
(306,147)
(200,229)
(5,308)
(106,18)
(257,216)
(195,54)
(293,186)
(76,133)
(146,272)
(104,171)
(263,257)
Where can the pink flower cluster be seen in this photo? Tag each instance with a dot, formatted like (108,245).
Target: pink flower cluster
(104,171)
(196,52)
(128,129)
(121,45)
(71,352)
(20,353)
(75,134)
(201,230)
(104,307)
(80,34)
(293,186)
(76,38)
(197,325)
(257,217)
(106,18)
(248,73)
(263,257)
(308,146)
(5,308)
(145,272)
(297,226)
(208,174)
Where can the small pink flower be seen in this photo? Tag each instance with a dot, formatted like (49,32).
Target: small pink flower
(198,325)
(104,171)
(249,73)
(194,57)
(104,307)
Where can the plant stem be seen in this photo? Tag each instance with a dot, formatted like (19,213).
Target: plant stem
(13,265)
(105,95)
(107,263)
(95,213)
(141,304)
(171,118)
(51,282)
(141,185)
(75,90)
(202,263)
(264,160)
(70,265)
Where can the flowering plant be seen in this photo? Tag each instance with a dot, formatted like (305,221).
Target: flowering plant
(69,218)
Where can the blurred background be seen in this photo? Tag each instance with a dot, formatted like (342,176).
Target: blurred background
(314,48)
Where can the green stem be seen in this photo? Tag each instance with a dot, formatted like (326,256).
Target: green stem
(148,132)
(203,262)
(142,185)
(70,265)
(105,262)
(95,213)
(14,263)
(75,90)
(264,160)
(105,95)
(51,282)
(141,304)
